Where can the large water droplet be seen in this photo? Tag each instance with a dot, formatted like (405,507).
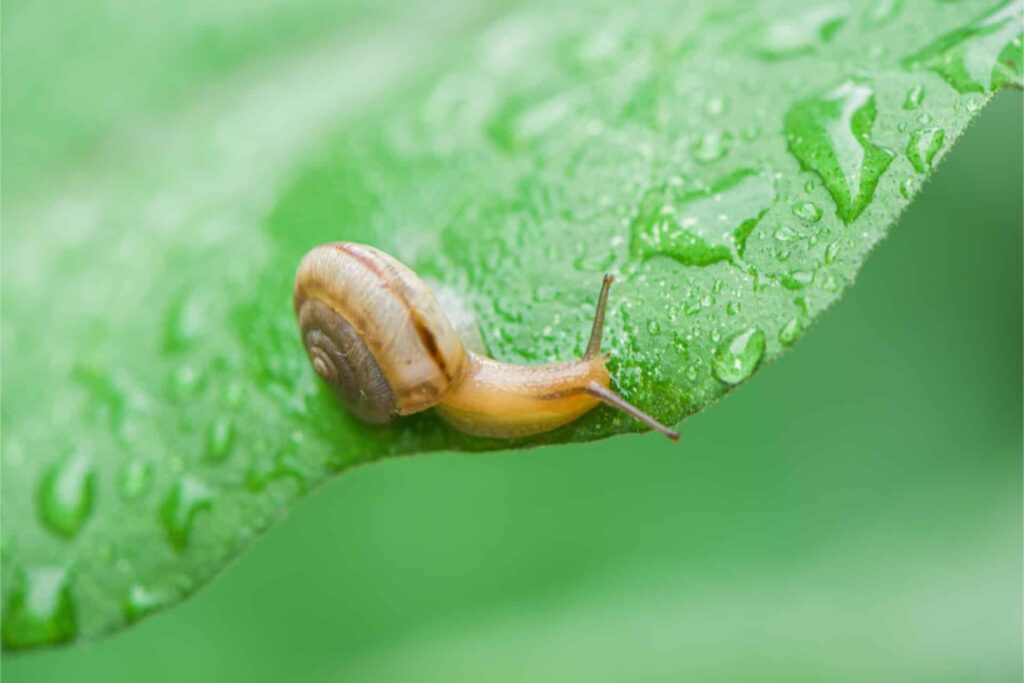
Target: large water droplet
(923,146)
(185,500)
(40,610)
(800,34)
(65,495)
(735,361)
(831,135)
(701,228)
(809,211)
(985,54)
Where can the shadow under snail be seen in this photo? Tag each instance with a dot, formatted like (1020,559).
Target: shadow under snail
(377,336)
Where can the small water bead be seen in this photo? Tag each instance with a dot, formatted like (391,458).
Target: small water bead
(785,234)
(185,321)
(732,308)
(809,211)
(738,359)
(141,601)
(186,499)
(186,381)
(220,437)
(915,96)
(797,279)
(66,494)
(831,251)
(711,146)
(829,283)
(653,327)
(790,331)
(923,146)
(40,609)
(908,187)
(134,478)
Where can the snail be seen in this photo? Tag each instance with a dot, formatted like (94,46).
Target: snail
(376,335)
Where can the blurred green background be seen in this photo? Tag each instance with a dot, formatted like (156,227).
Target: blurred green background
(832,520)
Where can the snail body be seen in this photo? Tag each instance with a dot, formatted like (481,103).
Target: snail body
(374,332)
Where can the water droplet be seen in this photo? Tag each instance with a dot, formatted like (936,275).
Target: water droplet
(220,437)
(653,327)
(186,381)
(40,610)
(798,279)
(184,501)
(983,55)
(915,96)
(704,227)
(735,361)
(65,495)
(732,308)
(907,188)
(800,34)
(790,331)
(831,251)
(809,211)
(184,322)
(883,11)
(923,146)
(830,135)
(829,283)
(711,146)
(141,601)
(784,233)
(134,478)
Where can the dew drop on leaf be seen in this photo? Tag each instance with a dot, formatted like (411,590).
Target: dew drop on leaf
(735,361)
(40,610)
(65,494)
(809,211)
(915,96)
(141,601)
(186,499)
(711,146)
(801,33)
(831,252)
(220,437)
(831,135)
(134,478)
(790,331)
(923,146)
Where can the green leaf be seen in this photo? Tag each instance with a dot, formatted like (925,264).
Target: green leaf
(732,165)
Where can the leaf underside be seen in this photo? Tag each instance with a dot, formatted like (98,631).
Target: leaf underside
(732,165)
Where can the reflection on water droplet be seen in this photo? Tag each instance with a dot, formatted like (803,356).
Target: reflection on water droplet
(790,331)
(923,146)
(738,359)
(800,34)
(134,478)
(809,211)
(711,146)
(830,135)
(184,501)
(40,610)
(65,494)
(701,228)
(983,55)
(141,601)
(220,437)
(915,96)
